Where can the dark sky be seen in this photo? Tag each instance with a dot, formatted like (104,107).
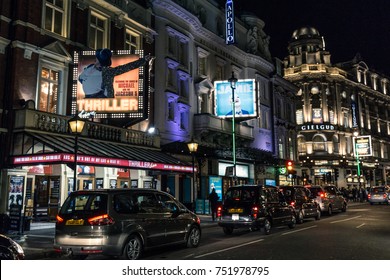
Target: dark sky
(348,26)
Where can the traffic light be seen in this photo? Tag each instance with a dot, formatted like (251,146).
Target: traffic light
(290,167)
(336,173)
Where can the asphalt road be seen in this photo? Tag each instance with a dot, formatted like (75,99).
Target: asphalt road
(361,233)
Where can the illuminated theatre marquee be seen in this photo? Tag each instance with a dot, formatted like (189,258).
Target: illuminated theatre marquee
(95,160)
(129,88)
(317,127)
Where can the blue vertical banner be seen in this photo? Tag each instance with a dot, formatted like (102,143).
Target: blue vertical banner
(216,182)
(229,10)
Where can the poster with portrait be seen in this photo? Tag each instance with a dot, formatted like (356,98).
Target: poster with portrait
(15,201)
(114,90)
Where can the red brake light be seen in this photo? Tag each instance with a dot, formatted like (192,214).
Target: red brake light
(369,196)
(219,210)
(101,220)
(59,219)
(322,194)
(292,203)
(384,195)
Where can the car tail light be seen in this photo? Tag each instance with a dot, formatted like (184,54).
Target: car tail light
(102,220)
(255,211)
(292,203)
(59,219)
(369,196)
(384,195)
(219,210)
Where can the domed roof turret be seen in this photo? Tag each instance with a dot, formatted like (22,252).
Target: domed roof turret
(305,32)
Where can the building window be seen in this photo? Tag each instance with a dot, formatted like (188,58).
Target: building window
(299,116)
(184,116)
(301,145)
(281,148)
(132,41)
(345,119)
(55,16)
(98,31)
(202,61)
(48,90)
(319,143)
(183,53)
(265,118)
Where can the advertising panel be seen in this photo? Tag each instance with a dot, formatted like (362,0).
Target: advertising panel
(363,147)
(117,87)
(244,95)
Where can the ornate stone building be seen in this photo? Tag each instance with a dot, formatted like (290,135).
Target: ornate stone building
(335,101)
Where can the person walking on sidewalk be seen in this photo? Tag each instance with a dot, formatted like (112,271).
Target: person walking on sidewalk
(213,199)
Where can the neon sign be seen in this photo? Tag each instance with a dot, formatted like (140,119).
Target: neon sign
(229,9)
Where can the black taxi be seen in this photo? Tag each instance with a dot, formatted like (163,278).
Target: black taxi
(254,207)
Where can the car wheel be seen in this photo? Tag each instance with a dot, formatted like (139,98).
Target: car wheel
(318,216)
(293,222)
(300,217)
(267,226)
(228,230)
(193,238)
(133,248)
(330,211)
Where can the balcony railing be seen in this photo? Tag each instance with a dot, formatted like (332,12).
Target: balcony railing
(207,122)
(32,120)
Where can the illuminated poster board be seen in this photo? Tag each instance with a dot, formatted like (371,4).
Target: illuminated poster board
(129,89)
(363,147)
(244,95)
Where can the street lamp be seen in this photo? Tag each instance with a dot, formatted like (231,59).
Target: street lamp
(193,147)
(356,134)
(76,125)
(233,83)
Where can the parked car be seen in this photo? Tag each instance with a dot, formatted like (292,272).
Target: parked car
(300,198)
(378,195)
(329,198)
(123,222)
(254,207)
(10,249)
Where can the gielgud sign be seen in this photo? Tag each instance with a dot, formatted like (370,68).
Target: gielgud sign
(109,82)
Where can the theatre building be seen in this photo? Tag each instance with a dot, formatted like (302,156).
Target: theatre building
(44,47)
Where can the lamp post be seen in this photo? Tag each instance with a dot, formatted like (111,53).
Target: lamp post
(356,134)
(76,125)
(233,83)
(193,147)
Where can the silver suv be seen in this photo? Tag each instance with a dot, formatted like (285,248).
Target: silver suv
(329,198)
(122,222)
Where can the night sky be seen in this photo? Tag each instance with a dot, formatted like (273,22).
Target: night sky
(348,26)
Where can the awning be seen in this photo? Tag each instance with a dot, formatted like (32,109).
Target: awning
(60,149)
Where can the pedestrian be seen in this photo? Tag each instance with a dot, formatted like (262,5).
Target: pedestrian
(213,199)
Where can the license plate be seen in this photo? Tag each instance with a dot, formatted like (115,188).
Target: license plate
(236,210)
(235,217)
(72,222)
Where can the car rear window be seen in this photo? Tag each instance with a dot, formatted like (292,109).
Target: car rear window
(85,203)
(241,194)
(377,190)
(315,191)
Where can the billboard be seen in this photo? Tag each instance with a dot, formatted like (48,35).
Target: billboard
(244,95)
(117,89)
(363,146)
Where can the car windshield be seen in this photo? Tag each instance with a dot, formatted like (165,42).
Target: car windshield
(84,203)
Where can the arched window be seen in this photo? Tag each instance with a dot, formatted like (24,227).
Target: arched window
(319,143)
(336,144)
